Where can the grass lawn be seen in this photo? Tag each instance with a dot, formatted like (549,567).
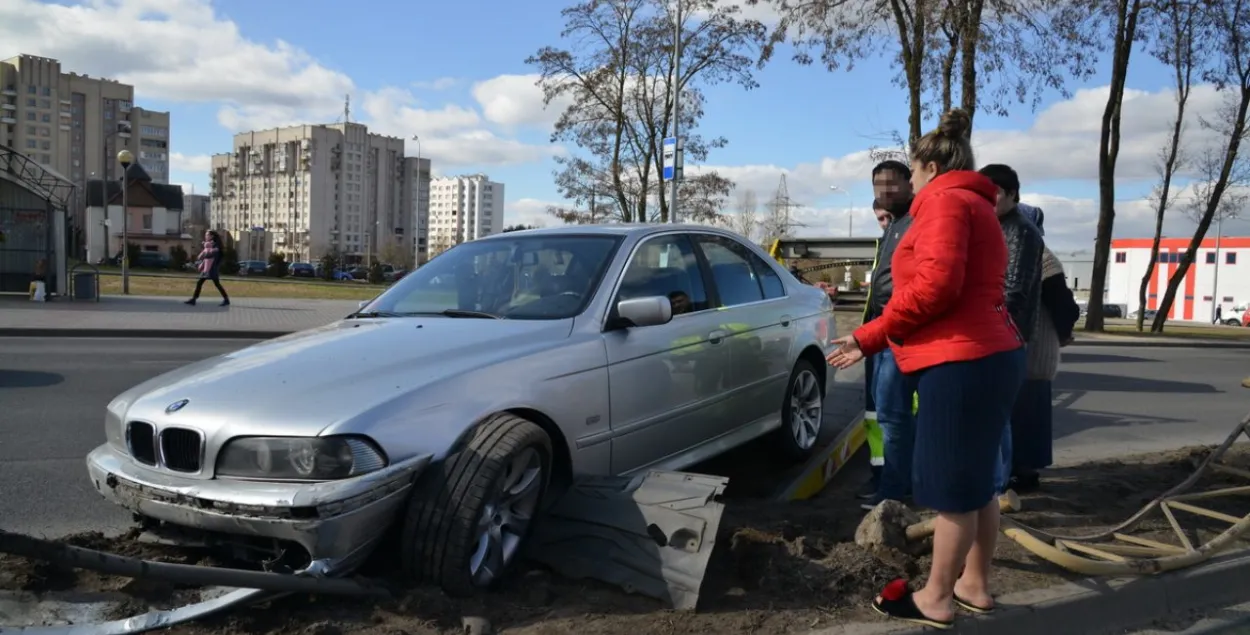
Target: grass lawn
(1196,332)
(240,287)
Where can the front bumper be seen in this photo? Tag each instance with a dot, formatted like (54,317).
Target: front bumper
(338,521)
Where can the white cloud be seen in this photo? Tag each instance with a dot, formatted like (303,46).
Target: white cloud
(183,51)
(517,100)
(442,83)
(529,211)
(190,162)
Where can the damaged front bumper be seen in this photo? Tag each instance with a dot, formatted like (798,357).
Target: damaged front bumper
(338,521)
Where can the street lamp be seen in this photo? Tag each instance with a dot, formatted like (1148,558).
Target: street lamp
(125,158)
(850,211)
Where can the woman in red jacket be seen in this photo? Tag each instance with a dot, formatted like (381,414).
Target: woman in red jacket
(950,332)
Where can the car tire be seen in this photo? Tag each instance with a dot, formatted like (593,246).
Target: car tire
(801,417)
(457,521)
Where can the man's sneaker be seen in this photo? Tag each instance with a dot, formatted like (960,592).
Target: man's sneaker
(867,492)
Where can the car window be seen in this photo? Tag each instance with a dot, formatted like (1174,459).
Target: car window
(536,277)
(666,266)
(730,261)
(769,280)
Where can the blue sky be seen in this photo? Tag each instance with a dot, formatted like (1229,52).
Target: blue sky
(452,74)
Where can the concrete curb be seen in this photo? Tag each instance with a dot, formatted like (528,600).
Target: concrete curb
(144,333)
(1096,606)
(1208,344)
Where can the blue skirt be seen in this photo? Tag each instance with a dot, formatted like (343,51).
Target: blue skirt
(964,409)
(1031,427)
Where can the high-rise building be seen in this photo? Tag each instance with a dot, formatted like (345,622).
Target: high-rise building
(311,190)
(76,125)
(196,214)
(464,208)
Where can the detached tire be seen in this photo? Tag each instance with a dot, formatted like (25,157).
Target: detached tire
(469,517)
(802,412)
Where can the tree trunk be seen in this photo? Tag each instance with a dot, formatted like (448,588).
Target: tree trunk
(1108,152)
(911,32)
(1213,205)
(970,38)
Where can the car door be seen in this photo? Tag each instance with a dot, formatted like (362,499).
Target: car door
(663,397)
(752,305)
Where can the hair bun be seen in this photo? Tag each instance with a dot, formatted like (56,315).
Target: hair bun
(955,124)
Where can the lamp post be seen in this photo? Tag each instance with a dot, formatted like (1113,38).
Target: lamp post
(1215,283)
(672,206)
(850,211)
(416,221)
(125,158)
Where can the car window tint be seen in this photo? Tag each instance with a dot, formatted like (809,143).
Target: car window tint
(666,266)
(769,280)
(731,270)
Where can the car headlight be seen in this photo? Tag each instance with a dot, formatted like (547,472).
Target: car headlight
(299,459)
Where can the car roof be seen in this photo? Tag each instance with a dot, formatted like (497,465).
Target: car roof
(616,229)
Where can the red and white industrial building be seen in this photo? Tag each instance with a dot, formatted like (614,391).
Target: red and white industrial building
(1219,271)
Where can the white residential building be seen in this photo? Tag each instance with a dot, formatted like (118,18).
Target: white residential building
(306,191)
(464,208)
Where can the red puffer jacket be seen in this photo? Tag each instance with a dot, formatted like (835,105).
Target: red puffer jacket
(949,271)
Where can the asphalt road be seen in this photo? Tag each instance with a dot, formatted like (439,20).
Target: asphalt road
(53,392)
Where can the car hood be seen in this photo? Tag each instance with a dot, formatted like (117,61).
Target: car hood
(300,384)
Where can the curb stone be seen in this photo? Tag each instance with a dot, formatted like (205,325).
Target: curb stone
(1208,344)
(1097,606)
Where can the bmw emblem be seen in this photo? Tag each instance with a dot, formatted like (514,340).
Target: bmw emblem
(176,406)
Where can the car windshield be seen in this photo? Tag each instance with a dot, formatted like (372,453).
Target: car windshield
(536,277)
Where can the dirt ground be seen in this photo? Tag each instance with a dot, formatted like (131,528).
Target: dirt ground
(778,569)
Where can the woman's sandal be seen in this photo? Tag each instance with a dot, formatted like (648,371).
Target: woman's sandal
(972,608)
(897,601)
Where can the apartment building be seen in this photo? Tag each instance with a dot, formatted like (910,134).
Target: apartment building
(306,191)
(463,208)
(196,214)
(76,124)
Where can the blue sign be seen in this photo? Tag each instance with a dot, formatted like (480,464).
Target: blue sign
(669,148)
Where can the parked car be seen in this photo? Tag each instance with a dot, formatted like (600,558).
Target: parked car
(338,275)
(253,267)
(471,392)
(302,270)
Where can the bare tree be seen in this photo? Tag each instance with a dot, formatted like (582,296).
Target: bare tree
(746,220)
(992,43)
(1178,42)
(619,75)
(1224,170)
(1124,37)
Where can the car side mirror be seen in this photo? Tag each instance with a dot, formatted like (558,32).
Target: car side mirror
(646,311)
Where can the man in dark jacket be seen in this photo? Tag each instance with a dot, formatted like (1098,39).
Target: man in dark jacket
(891,188)
(1023,287)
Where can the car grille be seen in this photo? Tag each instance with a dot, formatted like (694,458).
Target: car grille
(141,440)
(180,449)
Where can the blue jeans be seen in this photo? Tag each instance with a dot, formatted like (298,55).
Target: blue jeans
(892,393)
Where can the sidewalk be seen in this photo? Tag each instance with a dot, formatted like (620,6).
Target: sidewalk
(258,318)
(138,316)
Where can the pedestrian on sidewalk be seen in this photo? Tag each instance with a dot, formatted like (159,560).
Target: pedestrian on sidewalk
(949,330)
(1032,418)
(209,264)
(891,396)
(1023,277)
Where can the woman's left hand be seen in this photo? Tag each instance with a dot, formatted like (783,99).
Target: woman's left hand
(847,355)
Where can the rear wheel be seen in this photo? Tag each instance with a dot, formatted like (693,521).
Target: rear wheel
(469,519)
(802,412)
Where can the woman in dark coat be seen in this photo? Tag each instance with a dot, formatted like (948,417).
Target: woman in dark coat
(209,264)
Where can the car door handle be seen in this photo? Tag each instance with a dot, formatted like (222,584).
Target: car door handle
(785,320)
(717,336)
